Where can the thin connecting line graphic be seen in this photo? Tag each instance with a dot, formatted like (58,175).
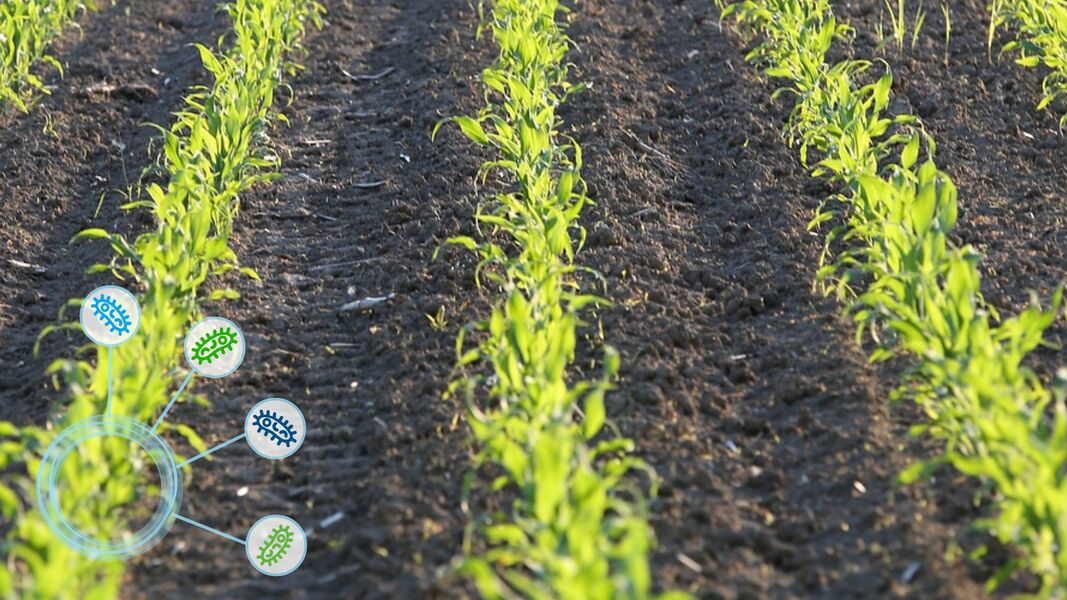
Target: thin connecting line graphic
(109,381)
(215,449)
(173,399)
(211,529)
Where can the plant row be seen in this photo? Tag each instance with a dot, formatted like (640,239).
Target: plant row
(217,149)
(27,27)
(1043,24)
(566,518)
(916,292)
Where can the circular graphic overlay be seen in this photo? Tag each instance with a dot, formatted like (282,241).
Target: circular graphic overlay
(86,438)
(276,545)
(110,315)
(275,428)
(215,347)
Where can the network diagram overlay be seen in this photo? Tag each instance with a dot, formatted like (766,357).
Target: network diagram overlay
(274,429)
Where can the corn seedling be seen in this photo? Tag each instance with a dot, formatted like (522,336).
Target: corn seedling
(947,15)
(1043,23)
(898,21)
(27,27)
(438,321)
(905,281)
(216,149)
(577,527)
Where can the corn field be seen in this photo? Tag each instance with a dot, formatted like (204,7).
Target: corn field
(540,299)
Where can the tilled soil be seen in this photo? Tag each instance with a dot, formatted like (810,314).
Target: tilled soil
(1007,158)
(80,147)
(742,387)
(364,201)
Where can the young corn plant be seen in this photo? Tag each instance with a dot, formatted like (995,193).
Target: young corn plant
(1043,24)
(946,14)
(906,282)
(577,526)
(27,27)
(898,20)
(216,149)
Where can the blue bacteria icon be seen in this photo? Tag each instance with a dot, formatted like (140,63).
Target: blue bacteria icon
(111,314)
(275,427)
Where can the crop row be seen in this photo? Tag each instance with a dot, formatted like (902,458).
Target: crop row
(27,27)
(1044,25)
(575,522)
(216,149)
(906,283)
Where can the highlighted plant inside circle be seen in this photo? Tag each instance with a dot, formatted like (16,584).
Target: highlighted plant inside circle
(129,473)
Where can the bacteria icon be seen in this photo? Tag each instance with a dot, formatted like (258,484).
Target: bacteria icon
(214,344)
(111,314)
(275,426)
(276,546)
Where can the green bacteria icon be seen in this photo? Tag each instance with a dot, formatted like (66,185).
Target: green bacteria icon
(276,546)
(214,344)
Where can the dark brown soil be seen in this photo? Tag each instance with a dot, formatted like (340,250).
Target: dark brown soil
(384,451)
(130,65)
(1006,157)
(743,388)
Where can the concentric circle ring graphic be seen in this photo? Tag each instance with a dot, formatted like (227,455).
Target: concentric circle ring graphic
(68,441)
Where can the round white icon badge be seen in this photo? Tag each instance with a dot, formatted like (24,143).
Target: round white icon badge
(276,545)
(215,347)
(275,428)
(110,315)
